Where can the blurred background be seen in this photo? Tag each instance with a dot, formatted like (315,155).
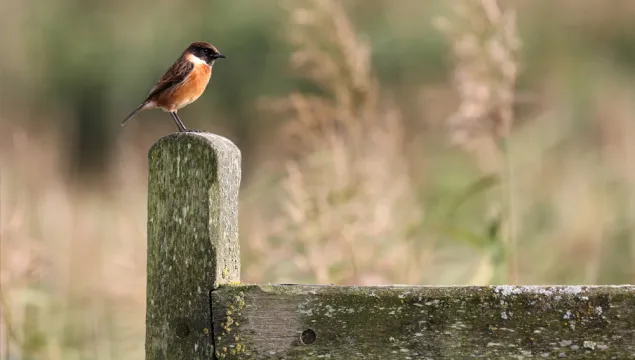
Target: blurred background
(408,142)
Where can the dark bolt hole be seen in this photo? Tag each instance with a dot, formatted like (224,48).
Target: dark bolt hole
(308,337)
(182,330)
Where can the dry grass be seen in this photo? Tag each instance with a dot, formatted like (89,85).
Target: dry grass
(345,199)
(72,262)
(485,44)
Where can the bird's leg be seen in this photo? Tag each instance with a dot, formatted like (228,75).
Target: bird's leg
(178,121)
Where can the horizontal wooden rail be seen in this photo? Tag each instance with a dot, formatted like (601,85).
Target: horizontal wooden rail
(418,322)
(197,309)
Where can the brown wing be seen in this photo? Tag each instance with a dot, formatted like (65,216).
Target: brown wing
(175,75)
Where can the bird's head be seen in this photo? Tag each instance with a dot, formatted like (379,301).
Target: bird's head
(205,52)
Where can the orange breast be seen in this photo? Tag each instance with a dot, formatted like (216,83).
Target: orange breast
(188,91)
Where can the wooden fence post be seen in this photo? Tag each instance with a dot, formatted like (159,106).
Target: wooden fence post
(192,240)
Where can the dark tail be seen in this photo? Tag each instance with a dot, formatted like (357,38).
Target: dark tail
(132,114)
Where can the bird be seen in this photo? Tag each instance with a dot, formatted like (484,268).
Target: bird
(183,83)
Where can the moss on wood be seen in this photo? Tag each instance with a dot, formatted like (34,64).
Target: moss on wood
(192,240)
(397,322)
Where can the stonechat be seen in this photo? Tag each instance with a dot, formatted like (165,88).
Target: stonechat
(183,83)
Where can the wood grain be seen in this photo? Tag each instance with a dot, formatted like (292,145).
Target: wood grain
(192,240)
(405,322)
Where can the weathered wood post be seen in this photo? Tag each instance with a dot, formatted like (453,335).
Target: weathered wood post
(192,240)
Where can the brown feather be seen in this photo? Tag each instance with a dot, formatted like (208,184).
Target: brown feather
(186,91)
(175,75)
(184,82)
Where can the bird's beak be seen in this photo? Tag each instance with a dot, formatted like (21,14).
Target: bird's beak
(220,56)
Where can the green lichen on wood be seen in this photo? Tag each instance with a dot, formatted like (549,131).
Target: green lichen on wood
(398,322)
(192,240)
(234,308)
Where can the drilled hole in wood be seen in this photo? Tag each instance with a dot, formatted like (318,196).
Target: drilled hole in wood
(308,337)
(182,330)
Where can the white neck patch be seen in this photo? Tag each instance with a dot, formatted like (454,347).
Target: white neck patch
(195,60)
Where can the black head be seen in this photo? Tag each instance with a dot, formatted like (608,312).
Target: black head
(204,51)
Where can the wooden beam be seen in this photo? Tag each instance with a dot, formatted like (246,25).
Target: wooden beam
(411,322)
(192,240)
